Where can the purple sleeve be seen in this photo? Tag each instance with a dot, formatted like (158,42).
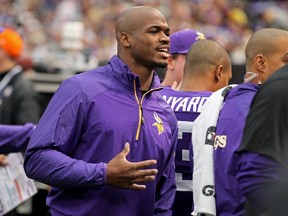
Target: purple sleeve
(166,187)
(56,136)
(14,138)
(58,170)
(257,174)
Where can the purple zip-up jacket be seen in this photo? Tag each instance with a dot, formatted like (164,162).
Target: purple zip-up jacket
(87,122)
(14,138)
(229,131)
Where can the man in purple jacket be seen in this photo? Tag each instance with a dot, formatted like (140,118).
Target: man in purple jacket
(97,114)
(266,51)
(207,69)
(263,163)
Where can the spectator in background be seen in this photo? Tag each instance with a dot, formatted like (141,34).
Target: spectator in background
(40,22)
(19,102)
(207,68)
(100,120)
(227,22)
(180,42)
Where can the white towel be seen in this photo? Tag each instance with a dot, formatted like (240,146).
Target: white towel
(203,135)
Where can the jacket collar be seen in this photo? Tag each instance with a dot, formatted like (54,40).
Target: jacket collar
(121,72)
(242,88)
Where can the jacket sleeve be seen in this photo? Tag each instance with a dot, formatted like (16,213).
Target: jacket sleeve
(56,136)
(14,138)
(166,187)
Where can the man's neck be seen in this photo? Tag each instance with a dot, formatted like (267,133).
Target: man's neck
(168,80)
(145,82)
(195,85)
(145,74)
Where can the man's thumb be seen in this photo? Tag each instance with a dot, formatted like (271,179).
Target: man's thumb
(126,149)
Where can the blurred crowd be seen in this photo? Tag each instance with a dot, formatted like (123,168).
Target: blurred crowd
(74,35)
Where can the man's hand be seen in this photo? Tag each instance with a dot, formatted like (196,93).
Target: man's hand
(3,160)
(124,174)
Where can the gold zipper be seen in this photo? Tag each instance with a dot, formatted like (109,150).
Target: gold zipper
(140,109)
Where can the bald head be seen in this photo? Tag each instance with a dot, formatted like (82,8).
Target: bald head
(265,42)
(203,54)
(207,68)
(142,35)
(266,52)
(131,19)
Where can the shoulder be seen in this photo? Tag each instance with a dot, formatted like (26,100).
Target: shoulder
(95,80)
(95,75)
(237,102)
(166,92)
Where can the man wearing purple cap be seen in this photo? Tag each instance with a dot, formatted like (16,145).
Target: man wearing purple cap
(207,68)
(180,42)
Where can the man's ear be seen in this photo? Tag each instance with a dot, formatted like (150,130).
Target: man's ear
(125,39)
(260,62)
(218,73)
(170,65)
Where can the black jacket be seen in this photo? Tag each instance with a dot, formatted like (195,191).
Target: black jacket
(19,103)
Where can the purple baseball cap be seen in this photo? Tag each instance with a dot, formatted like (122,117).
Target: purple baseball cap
(181,41)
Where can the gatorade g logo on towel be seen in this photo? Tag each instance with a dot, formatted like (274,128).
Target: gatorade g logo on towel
(210,136)
(158,124)
(220,141)
(208,190)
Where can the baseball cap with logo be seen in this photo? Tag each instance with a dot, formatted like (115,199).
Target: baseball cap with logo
(181,41)
(11,42)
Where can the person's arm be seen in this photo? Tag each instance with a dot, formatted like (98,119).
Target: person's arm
(56,136)
(14,138)
(166,188)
